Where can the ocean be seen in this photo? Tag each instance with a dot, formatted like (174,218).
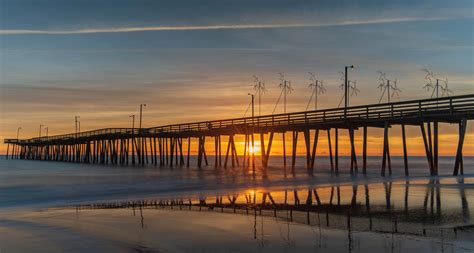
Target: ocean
(72,207)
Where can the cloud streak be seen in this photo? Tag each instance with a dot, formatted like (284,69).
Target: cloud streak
(214,27)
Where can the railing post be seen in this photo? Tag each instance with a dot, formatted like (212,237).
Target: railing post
(451,106)
(419,108)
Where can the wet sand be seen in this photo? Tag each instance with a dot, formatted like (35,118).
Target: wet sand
(259,225)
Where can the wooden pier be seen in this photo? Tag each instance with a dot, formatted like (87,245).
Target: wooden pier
(163,145)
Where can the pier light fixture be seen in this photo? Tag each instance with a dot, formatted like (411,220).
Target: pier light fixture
(78,123)
(41,126)
(133,120)
(346,88)
(141,114)
(252,148)
(253,111)
(18,133)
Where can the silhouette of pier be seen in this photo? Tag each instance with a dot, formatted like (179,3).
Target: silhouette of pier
(163,145)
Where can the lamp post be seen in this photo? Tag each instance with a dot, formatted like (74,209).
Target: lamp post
(46,128)
(41,126)
(133,137)
(284,96)
(346,88)
(141,110)
(253,130)
(78,124)
(18,133)
(133,122)
(141,143)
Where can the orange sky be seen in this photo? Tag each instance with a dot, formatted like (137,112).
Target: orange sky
(196,61)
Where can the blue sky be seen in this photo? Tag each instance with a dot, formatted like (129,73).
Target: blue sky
(193,60)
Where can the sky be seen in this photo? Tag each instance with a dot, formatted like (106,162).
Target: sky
(195,60)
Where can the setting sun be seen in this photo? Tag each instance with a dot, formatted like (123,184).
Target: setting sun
(254,150)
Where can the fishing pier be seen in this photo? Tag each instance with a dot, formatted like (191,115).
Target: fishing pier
(163,145)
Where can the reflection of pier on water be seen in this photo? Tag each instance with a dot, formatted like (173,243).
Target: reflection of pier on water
(411,208)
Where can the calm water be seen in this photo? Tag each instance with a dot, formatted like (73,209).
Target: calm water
(41,183)
(235,210)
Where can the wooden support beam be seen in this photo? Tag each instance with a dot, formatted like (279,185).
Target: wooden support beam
(265,151)
(137,150)
(181,155)
(269,148)
(216,150)
(330,150)
(179,151)
(427,148)
(8,149)
(462,133)
(389,159)
(200,152)
(133,150)
(435,147)
(234,153)
(189,152)
(262,149)
(166,151)
(405,153)
(385,146)
(154,151)
(172,149)
(145,149)
(364,151)
(336,151)
(430,144)
(307,142)
(245,150)
(284,149)
(204,149)
(220,151)
(295,143)
(461,164)
(176,150)
(13,151)
(315,146)
(127,146)
(160,151)
(227,152)
(152,157)
(353,151)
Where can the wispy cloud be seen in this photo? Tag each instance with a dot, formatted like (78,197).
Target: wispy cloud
(215,27)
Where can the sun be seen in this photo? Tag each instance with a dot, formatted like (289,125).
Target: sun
(254,150)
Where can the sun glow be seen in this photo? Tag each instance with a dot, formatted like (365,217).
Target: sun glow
(254,150)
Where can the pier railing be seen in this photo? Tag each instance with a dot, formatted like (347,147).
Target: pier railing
(414,109)
(386,111)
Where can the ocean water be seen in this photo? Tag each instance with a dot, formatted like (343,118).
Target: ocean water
(26,183)
(72,207)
